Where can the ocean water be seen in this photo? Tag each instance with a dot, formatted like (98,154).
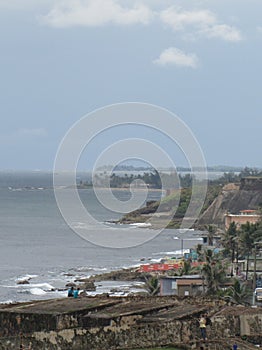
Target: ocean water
(36,244)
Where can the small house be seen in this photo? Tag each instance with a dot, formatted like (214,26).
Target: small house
(190,285)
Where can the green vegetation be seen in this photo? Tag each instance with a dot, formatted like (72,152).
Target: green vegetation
(231,177)
(242,241)
(152,285)
(152,179)
(236,243)
(238,293)
(177,201)
(213,271)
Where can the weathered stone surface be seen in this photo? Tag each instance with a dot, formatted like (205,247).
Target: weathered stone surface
(125,323)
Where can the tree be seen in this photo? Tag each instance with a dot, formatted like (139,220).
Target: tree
(152,285)
(199,251)
(239,293)
(213,271)
(230,243)
(247,241)
(211,229)
(250,172)
(186,269)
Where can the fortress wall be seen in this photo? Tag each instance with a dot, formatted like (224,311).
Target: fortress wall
(133,332)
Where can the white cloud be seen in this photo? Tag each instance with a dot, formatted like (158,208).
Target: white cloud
(259,29)
(178,20)
(174,56)
(224,32)
(92,13)
(200,23)
(96,13)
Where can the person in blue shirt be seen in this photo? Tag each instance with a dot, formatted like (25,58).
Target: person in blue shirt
(70,292)
(76,292)
(235,347)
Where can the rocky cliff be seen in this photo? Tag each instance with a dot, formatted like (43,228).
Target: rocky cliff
(233,198)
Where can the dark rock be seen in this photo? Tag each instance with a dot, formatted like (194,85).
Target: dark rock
(70,284)
(82,279)
(89,286)
(23,282)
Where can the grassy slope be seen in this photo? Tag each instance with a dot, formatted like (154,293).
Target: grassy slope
(179,199)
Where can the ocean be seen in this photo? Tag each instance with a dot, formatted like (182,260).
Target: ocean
(37,245)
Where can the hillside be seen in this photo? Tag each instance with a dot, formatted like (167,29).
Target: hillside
(233,198)
(219,200)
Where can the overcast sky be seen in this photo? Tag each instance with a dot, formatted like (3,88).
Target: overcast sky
(61,59)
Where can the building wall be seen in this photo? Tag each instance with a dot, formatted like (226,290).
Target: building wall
(168,287)
(190,290)
(172,286)
(240,219)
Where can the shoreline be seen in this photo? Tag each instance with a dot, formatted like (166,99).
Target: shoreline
(52,283)
(124,189)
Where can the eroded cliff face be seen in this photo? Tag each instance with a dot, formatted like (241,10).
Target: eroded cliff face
(233,198)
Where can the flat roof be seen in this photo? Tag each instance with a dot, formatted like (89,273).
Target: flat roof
(186,277)
(186,282)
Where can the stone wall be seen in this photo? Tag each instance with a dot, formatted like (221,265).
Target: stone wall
(112,327)
(128,335)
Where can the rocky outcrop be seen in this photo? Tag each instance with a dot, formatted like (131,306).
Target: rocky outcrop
(233,198)
(131,274)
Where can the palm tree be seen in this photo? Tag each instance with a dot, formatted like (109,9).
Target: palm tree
(247,241)
(228,240)
(239,293)
(213,271)
(199,252)
(186,269)
(152,285)
(211,229)
(230,243)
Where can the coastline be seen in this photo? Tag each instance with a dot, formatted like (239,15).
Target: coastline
(139,189)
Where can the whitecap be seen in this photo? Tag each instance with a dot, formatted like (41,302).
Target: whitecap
(176,252)
(26,277)
(45,286)
(7,302)
(37,291)
(156,260)
(141,224)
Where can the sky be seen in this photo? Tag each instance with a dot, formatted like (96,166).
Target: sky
(62,59)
